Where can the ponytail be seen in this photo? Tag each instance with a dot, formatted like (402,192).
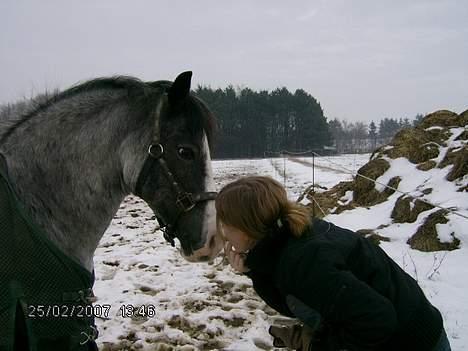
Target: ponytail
(298,218)
(255,204)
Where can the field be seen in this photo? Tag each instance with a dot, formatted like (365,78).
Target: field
(208,306)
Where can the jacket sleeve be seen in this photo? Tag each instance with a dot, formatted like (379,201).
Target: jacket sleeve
(268,292)
(360,317)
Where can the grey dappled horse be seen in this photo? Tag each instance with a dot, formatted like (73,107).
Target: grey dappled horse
(73,159)
(67,164)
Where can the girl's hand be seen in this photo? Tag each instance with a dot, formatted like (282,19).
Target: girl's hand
(236,259)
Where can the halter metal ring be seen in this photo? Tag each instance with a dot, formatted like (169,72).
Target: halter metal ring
(156,150)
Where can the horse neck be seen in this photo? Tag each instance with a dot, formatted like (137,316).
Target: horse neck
(68,174)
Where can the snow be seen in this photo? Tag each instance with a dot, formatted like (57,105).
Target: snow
(445,232)
(452,143)
(209,306)
(346,198)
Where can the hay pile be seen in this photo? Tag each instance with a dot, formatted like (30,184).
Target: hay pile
(436,143)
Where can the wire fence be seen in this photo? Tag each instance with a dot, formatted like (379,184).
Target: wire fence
(313,153)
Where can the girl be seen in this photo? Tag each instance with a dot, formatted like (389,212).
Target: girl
(346,291)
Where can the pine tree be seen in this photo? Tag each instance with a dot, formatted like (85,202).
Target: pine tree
(373,134)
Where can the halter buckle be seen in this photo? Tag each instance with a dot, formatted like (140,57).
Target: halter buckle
(185,201)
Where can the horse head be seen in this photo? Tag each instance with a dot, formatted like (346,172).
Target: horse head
(176,178)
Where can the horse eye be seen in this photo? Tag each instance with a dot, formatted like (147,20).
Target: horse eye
(186,153)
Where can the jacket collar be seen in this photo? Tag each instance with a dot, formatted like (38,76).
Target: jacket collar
(264,256)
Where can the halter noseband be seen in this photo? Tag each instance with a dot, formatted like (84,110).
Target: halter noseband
(185,201)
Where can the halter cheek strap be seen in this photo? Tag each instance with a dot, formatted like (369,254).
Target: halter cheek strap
(185,201)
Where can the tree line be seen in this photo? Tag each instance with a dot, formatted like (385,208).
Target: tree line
(351,137)
(251,123)
(255,124)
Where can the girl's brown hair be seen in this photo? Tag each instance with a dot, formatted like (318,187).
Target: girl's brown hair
(254,205)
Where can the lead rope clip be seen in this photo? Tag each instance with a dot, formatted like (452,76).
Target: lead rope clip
(90,337)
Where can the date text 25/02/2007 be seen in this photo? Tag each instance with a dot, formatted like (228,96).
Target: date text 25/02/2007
(94,310)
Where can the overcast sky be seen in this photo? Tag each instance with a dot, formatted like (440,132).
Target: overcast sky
(361,60)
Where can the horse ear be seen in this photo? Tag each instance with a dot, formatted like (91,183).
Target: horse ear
(180,89)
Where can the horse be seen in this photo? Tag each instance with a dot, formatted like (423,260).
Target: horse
(71,160)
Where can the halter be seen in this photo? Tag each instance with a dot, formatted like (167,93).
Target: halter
(185,201)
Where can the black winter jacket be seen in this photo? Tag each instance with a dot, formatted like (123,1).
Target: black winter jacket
(365,300)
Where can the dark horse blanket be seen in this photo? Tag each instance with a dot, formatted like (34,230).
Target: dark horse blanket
(44,295)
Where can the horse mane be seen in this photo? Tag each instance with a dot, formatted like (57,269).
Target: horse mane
(136,89)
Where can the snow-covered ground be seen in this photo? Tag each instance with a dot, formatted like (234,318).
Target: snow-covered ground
(210,307)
